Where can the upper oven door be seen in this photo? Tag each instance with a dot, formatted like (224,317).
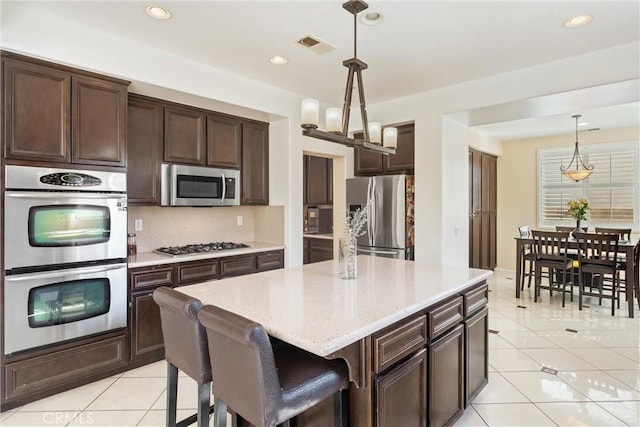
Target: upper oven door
(49,228)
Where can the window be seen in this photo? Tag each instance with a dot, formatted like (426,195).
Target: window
(613,189)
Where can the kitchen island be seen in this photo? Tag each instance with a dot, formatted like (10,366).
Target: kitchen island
(414,335)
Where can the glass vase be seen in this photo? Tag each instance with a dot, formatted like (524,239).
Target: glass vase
(578,229)
(347,259)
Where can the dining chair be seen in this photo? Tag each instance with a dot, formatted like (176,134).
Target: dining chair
(598,265)
(527,255)
(625,234)
(268,384)
(550,248)
(569,229)
(186,349)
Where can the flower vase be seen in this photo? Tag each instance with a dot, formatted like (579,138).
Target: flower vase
(577,230)
(347,260)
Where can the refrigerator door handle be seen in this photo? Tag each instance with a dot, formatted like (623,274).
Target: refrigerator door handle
(373,251)
(374,210)
(370,211)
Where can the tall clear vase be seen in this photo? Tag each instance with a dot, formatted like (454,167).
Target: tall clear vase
(347,258)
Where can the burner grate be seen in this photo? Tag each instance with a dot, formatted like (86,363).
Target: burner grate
(199,248)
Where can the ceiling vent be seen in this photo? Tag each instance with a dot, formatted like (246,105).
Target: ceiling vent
(314,44)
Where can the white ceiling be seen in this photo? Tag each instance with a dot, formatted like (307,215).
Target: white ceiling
(421,45)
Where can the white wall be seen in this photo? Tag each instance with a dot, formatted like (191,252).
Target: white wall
(440,149)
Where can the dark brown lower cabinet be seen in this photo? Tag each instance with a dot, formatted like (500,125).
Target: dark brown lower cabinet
(477,375)
(446,377)
(146,336)
(402,393)
(318,250)
(48,372)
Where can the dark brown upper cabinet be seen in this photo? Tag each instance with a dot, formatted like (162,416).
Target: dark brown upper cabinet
(224,141)
(57,114)
(144,151)
(254,175)
(184,135)
(318,180)
(99,122)
(367,163)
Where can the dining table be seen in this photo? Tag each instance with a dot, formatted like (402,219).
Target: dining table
(629,248)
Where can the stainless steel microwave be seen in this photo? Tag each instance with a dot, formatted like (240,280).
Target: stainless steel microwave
(183,185)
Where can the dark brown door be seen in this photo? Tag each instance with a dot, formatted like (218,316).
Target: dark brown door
(99,122)
(144,151)
(482,210)
(37,112)
(317,180)
(402,161)
(446,378)
(367,162)
(184,136)
(402,394)
(255,164)
(146,328)
(477,353)
(224,141)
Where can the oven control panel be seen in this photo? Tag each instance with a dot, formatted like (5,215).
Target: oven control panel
(70,179)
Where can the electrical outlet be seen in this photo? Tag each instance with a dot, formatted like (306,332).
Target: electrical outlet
(239,220)
(138,225)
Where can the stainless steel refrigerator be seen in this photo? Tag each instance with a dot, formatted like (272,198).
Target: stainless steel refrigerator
(389,231)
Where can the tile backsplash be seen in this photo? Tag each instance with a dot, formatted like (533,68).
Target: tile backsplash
(171,226)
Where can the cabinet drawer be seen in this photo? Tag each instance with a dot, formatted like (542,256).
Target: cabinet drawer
(475,299)
(399,341)
(238,265)
(445,316)
(270,260)
(198,272)
(151,278)
(63,368)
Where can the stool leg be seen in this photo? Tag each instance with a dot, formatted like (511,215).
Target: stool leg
(204,397)
(172,394)
(220,413)
(340,408)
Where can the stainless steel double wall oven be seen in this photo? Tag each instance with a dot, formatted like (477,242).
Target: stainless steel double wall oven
(65,255)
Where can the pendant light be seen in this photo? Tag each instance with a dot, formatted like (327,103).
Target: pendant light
(577,174)
(376,138)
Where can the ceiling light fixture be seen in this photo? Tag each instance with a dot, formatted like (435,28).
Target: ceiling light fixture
(375,138)
(278,60)
(372,18)
(157,12)
(577,21)
(577,174)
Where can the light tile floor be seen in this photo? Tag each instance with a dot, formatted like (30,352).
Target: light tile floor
(597,383)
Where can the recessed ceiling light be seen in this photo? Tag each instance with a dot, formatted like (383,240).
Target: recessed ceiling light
(372,18)
(278,60)
(157,12)
(577,21)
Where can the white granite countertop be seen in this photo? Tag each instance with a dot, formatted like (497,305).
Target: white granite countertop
(146,259)
(312,308)
(318,236)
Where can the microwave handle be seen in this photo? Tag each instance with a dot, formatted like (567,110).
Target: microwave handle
(224,188)
(66,272)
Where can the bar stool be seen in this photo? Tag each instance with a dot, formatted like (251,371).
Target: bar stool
(185,343)
(264,384)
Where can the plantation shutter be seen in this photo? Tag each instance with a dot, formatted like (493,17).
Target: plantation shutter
(612,189)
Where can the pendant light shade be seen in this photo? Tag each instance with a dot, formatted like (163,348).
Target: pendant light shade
(581,171)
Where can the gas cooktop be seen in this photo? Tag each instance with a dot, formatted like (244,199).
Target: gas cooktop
(199,248)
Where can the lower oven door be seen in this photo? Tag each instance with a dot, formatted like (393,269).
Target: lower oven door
(50,307)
